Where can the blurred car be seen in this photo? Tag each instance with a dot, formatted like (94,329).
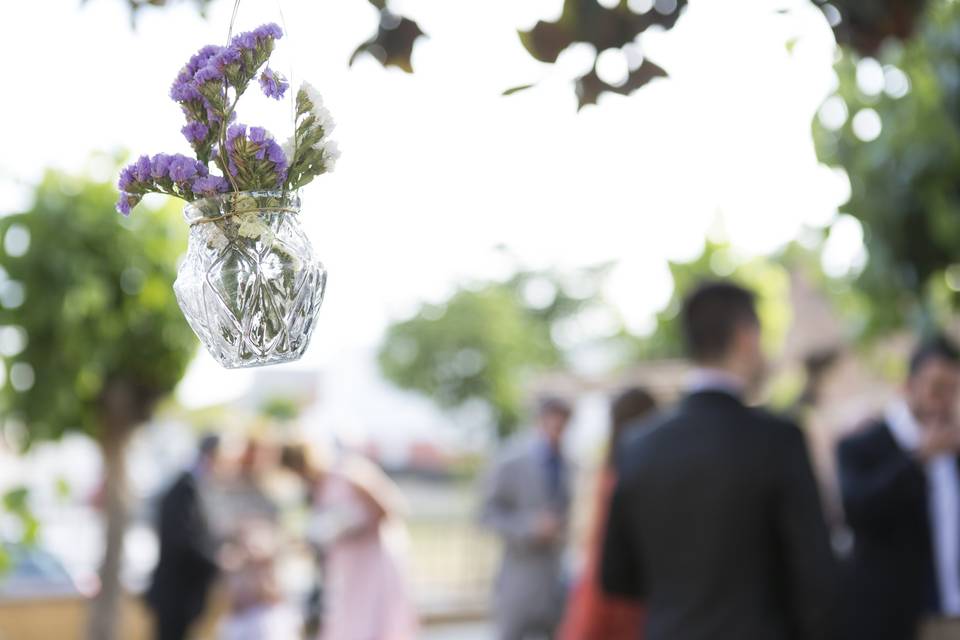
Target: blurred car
(34,573)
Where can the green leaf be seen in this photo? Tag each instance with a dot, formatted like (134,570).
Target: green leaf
(517,89)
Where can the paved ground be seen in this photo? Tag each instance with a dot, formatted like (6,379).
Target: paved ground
(467,631)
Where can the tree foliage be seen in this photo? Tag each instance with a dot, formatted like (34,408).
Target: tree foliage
(91,335)
(88,297)
(484,341)
(904,182)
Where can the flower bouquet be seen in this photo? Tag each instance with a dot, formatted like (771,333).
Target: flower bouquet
(249,286)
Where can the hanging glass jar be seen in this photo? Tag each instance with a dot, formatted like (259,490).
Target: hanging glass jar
(250,285)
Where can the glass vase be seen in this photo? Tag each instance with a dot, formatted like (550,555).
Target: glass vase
(250,285)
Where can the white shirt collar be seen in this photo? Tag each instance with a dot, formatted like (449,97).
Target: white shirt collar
(903,425)
(711,379)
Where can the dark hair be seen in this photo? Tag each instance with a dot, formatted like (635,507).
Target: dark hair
(628,406)
(711,314)
(208,446)
(938,346)
(554,404)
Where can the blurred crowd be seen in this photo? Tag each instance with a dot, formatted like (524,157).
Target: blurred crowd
(707,520)
(225,525)
(709,523)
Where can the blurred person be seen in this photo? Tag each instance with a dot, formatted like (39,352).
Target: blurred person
(715,520)
(526,502)
(356,524)
(187,566)
(257,609)
(591,614)
(239,496)
(901,493)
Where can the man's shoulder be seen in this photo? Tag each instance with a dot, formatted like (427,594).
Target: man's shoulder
(183,484)
(517,449)
(870,434)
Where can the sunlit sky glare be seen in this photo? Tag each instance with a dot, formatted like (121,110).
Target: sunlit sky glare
(438,168)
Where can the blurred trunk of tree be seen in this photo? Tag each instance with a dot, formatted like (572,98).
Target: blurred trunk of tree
(122,412)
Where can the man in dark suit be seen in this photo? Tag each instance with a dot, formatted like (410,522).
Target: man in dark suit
(716,521)
(187,565)
(901,493)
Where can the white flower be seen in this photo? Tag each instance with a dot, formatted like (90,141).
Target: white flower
(287,148)
(320,112)
(312,94)
(325,120)
(331,153)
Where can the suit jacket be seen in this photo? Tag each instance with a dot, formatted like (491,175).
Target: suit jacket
(529,587)
(890,577)
(716,522)
(187,566)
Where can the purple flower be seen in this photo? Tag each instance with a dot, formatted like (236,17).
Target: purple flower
(126,178)
(142,169)
(235,131)
(269,30)
(273,84)
(253,39)
(160,166)
(246,40)
(276,155)
(200,58)
(258,134)
(260,145)
(183,169)
(183,88)
(127,202)
(210,186)
(227,56)
(208,74)
(195,132)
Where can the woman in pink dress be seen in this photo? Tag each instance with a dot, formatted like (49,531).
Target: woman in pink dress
(356,508)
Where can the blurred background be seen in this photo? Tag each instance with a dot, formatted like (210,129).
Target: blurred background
(525,191)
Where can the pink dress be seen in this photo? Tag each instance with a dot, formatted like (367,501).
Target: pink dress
(366,596)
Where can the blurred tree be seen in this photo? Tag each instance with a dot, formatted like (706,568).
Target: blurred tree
(280,409)
(894,127)
(90,333)
(483,342)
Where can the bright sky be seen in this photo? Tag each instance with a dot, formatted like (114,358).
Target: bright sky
(437,167)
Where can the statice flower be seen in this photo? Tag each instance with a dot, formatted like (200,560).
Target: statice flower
(255,160)
(127,202)
(264,35)
(195,132)
(160,166)
(183,169)
(310,152)
(207,89)
(208,186)
(331,153)
(273,84)
(142,169)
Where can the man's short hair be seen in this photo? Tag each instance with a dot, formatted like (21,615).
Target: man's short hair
(208,446)
(711,315)
(554,405)
(936,347)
